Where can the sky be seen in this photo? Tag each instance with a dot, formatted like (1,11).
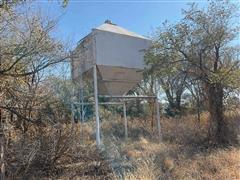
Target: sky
(142,17)
(139,16)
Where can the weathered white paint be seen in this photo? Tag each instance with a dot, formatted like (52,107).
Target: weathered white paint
(83,57)
(119,55)
(109,27)
(117,80)
(120,50)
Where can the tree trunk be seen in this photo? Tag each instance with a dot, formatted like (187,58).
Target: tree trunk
(174,103)
(198,110)
(178,101)
(215,107)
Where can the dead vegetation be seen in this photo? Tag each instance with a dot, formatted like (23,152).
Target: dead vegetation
(61,151)
(185,152)
(56,152)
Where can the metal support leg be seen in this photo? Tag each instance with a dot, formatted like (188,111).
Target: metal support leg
(158,120)
(72,115)
(125,120)
(82,111)
(96,105)
(72,107)
(82,119)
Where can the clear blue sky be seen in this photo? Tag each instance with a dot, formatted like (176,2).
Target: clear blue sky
(80,16)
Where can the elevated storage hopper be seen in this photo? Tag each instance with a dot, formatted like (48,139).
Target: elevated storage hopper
(118,54)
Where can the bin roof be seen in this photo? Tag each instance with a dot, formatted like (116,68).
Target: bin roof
(110,27)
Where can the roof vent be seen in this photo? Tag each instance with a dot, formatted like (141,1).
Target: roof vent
(109,22)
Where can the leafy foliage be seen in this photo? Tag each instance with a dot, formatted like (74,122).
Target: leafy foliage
(200,48)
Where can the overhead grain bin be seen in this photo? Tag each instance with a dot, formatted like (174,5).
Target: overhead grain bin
(118,55)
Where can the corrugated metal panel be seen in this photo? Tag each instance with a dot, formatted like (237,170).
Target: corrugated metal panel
(83,56)
(117,80)
(120,50)
(118,54)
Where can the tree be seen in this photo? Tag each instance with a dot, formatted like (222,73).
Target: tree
(8,4)
(146,87)
(170,78)
(26,49)
(201,44)
(197,95)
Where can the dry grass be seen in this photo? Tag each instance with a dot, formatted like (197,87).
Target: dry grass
(146,170)
(183,154)
(218,164)
(56,152)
